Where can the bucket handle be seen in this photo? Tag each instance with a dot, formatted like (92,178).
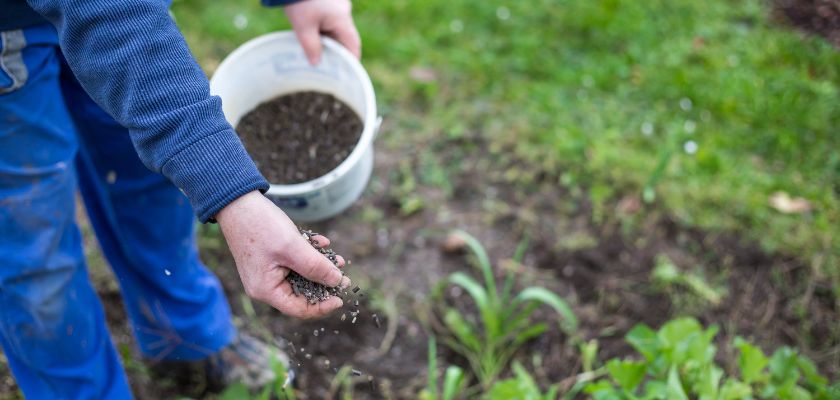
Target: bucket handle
(376,125)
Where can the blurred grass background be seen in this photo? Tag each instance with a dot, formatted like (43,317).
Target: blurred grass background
(701,109)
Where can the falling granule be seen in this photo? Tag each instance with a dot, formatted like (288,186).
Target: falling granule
(315,332)
(327,363)
(376,321)
(357,372)
(370,382)
(356,303)
(343,316)
(336,332)
(353,321)
(308,356)
(167,272)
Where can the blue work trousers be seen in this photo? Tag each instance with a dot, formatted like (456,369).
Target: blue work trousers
(54,142)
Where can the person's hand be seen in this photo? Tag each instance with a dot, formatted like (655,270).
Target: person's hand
(311,18)
(266,244)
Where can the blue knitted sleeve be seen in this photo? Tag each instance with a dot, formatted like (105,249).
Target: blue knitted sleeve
(269,3)
(132,60)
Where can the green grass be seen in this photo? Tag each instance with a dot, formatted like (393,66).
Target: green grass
(607,95)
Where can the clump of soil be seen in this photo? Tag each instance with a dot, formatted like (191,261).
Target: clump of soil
(818,16)
(313,291)
(301,136)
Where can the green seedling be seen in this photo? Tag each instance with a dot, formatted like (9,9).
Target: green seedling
(504,322)
(668,274)
(678,362)
(454,379)
(280,388)
(521,387)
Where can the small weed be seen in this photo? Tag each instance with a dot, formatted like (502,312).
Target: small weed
(280,388)
(669,276)
(404,190)
(454,379)
(678,362)
(504,318)
(521,387)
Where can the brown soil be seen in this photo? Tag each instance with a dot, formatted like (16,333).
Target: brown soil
(821,17)
(300,136)
(601,267)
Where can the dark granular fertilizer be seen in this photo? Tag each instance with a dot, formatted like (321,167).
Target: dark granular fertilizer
(299,136)
(313,291)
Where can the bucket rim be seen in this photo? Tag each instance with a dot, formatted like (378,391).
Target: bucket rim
(369,119)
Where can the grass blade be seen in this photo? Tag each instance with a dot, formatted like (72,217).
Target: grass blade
(463,330)
(486,306)
(569,323)
(483,261)
(432,384)
(452,382)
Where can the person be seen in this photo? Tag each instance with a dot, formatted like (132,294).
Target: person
(104,98)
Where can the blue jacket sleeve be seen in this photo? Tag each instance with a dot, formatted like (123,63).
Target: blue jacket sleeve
(269,3)
(132,60)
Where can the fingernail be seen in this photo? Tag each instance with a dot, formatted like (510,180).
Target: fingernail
(345,282)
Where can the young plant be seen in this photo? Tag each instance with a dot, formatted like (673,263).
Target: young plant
(667,274)
(504,322)
(679,363)
(454,379)
(521,387)
(280,388)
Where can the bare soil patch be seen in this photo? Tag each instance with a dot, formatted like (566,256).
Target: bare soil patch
(601,266)
(821,17)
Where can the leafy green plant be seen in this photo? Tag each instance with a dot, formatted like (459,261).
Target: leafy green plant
(521,387)
(667,274)
(504,322)
(278,389)
(678,363)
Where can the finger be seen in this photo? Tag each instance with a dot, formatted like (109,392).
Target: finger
(298,307)
(323,308)
(322,240)
(310,40)
(312,265)
(346,34)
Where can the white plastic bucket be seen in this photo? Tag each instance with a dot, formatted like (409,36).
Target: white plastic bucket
(274,64)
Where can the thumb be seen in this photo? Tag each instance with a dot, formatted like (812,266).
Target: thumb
(310,40)
(313,265)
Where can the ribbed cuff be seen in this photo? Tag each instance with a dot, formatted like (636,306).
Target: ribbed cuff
(213,172)
(271,3)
